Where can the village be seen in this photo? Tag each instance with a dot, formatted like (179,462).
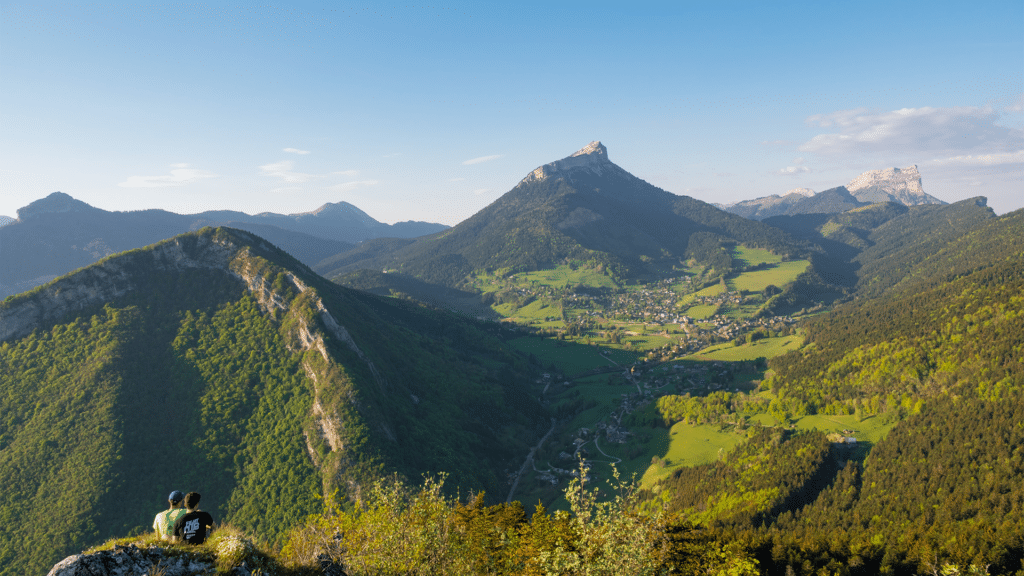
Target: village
(666,321)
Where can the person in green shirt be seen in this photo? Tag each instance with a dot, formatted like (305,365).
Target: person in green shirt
(163,524)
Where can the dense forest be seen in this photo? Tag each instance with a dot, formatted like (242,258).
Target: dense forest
(941,355)
(194,380)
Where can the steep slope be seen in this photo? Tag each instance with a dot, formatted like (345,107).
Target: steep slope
(938,354)
(902,185)
(216,362)
(867,250)
(920,338)
(582,208)
(58,234)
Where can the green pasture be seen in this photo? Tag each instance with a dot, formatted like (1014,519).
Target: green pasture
(739,311)
(767,348)
(650,341)
(535,312)
(701,311)
(487,282)
(686,445)
(763,420)
(564,275)
(569,357)
(713,290)
(753,256)
(780,274)
(871,429)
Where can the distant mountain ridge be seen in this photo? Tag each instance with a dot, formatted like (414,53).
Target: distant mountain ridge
(830,201)
(900,185)
(582,208)
(57,234)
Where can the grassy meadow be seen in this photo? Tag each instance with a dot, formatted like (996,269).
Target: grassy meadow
(764,348)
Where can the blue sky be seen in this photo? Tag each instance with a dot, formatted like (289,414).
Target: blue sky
(432,111)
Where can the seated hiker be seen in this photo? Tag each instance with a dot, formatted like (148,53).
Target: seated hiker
(194,525)
(163,524)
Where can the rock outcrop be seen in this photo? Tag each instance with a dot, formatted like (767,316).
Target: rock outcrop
(105,281)
(901,185)
(593,158)
(134,561)
(235,253)
(233,554)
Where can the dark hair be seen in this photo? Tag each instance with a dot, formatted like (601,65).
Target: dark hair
(192,499)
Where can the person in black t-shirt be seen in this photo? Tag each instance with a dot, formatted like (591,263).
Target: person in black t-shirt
(193,527)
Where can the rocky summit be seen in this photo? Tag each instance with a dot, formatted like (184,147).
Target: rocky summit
(902,185)
(593,158)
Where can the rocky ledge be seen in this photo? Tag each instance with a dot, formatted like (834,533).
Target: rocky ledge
(131,560)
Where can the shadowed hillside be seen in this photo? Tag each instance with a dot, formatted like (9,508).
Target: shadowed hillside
(215,362)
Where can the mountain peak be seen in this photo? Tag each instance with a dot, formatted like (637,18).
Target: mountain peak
(593,158)
(800,191)
(902,185)
(54,203)
(594,148)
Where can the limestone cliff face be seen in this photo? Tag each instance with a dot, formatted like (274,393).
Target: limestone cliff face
(103,282)
(241,256)
(902,185)
(592,158)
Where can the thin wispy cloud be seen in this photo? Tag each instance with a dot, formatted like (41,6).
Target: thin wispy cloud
(480,191)
(180,175)
(285,171)
(913,130)
(789,170)
(982,159)
(295,151)
(482,159)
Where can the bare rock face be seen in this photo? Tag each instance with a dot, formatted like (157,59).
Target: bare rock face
(132,561)
(593,157)
(901,185)
(236,554)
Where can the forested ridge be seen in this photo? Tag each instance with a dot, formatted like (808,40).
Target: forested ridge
(190,380)
(943,492)
(956,322)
